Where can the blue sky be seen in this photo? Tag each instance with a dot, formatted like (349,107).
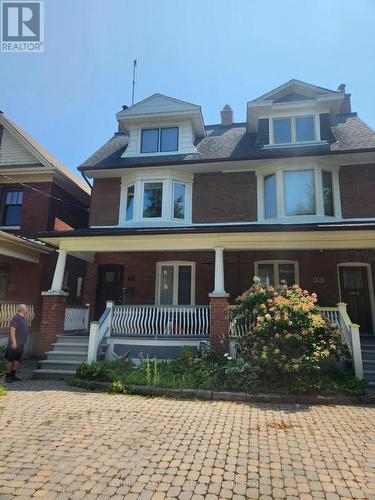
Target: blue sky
(209,52)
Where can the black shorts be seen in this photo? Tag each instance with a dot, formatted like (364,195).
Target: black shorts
(14,354)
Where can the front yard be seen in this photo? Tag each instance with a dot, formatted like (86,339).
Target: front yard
(61,443)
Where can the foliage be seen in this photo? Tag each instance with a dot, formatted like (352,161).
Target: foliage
(285,335)
(187,371)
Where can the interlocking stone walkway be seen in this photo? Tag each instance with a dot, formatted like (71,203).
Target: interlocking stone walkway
(63,443)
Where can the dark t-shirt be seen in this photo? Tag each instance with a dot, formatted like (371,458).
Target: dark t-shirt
(22,329)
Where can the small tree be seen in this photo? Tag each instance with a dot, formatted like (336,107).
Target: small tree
(284,333)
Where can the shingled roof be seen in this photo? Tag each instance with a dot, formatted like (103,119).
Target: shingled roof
(234,142)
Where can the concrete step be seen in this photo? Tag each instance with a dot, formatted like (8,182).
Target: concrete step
(80,357)
(368,354)
(369,375)
(70,346)
(72,339)
(45,373)
(59,364)
(368,364)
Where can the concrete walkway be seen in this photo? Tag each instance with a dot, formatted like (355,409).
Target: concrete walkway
(60,442)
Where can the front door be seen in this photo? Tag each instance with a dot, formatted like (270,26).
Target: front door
(355,293)
(175,285)
(109,286)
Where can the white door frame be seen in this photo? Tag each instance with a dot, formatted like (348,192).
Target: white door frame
(175,264)
(369,281)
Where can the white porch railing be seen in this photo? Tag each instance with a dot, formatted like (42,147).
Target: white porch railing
(9,309)
(98,331)
(339,317)
(157,320)
(76,318)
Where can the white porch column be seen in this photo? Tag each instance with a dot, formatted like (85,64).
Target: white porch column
(58,277)
(219,290)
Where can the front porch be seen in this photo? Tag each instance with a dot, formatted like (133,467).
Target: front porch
(172,290)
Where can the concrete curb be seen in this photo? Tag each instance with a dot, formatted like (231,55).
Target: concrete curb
(305,399)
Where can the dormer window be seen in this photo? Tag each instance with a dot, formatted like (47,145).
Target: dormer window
(155,140)
(298,193)
(293,130)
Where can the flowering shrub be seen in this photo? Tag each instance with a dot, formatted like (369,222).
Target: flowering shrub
(284,334)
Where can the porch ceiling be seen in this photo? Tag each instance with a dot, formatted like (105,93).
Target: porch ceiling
(86,246)
(20,248)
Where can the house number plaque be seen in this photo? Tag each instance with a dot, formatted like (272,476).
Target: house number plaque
(318,280)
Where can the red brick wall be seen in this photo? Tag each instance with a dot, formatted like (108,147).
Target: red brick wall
(357,185)
(229,197)
(239,271)
(73,213)
(105,202)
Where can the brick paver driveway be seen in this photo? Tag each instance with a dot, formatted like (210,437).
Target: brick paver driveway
(59,442)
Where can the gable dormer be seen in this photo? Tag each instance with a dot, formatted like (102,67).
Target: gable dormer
(294,114)
(161,125)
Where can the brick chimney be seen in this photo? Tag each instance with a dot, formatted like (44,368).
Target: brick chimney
(345,105)
(226,115)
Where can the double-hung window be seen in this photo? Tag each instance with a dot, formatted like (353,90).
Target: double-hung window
(275,273)
(293,130)
(12,204)
(155,140)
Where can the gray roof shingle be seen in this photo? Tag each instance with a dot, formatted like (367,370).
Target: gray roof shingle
(234,142)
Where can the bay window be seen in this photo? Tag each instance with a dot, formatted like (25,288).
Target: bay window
(163,200)
(298,193)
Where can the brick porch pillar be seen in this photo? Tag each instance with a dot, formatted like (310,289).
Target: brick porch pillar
(219,307)
(52,320)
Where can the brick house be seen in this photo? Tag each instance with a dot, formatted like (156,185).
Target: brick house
(184,214)
(37,193)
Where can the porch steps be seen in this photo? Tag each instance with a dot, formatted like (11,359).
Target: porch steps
(67,354)
(368,358)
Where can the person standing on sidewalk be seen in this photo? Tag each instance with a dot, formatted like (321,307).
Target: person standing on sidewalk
(19,333)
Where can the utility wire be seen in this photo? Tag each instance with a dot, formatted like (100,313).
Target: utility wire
(43,193)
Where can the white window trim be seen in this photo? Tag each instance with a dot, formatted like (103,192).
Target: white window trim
(167,177)
(175,264)
(280,193)
(275,264)
(160,153)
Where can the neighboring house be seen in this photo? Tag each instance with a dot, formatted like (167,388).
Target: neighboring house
(37,193)
(184,214)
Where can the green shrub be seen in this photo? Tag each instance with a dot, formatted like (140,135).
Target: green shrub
(285,335)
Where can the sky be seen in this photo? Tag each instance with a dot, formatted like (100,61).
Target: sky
(208,52)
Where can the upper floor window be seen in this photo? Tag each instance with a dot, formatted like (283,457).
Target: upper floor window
(293,130)
(159,200)
(12,204)
(154,140)
(299,193)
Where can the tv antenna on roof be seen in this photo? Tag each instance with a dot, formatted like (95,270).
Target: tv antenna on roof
(133,88)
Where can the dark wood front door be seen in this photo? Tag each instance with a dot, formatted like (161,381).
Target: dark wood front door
(355,292)
(110,286)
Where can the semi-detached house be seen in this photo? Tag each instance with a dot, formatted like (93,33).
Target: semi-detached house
(184,215)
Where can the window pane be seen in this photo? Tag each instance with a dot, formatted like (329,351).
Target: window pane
(270,196)
(12,215)
(287,274)
(130,203)
(178,200)
(282,132)
(152,199)
(4,280)
(327,193)
(19,197)
(166,284)
(266,274)
(305,129)
(169,139)
(353,279)
(299,192)
(184,285)
(150,140)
